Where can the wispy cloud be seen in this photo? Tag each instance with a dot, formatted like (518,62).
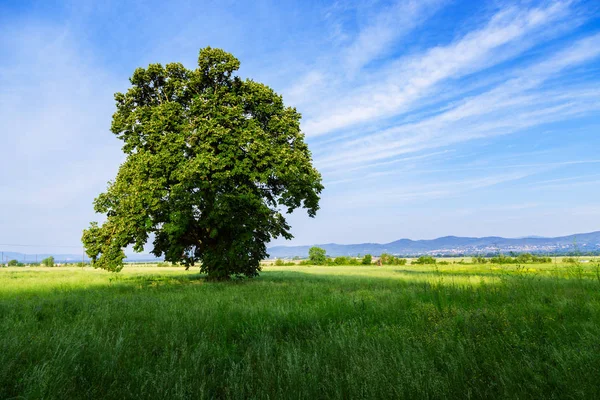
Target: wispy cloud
(379,36)
(504,109)
(403,81)
(408,106)
(394,195)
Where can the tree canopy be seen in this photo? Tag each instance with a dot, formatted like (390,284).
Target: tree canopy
(213,162)
(48,261)
(317,255)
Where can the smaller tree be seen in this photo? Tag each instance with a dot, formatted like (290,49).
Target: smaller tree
(48,262)
(367,259)
(317,255)
(13,263)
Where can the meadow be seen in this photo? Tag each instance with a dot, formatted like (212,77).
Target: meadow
(445,331)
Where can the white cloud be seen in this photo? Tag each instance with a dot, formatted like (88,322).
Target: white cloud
(393,194)
(509,107)
(378,37)
(508,33)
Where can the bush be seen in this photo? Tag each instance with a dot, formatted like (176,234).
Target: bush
(502,259)
(388,259)
(367,259)
(541,260)
(444,263)
(279,262)
(343,261)
(340,261)
(570,260)
(425,260)
(524,258)
(13,263)
(479,260)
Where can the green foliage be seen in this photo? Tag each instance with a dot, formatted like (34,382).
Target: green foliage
(48,262)
(342,260)
(524,258)
(211,159)
(388,259)
(279,262)
(317,255)
(13,263)
(479,260)
(367,259)
(570,260)
(443,262)
(425,260)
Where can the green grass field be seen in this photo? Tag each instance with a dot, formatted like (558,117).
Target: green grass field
(454,331)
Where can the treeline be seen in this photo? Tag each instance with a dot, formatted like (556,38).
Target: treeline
(524,258)
(46,262)
(317,256)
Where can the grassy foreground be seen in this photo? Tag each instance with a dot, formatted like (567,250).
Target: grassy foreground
(302,332)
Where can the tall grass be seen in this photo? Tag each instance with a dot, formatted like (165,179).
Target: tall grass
(302,332)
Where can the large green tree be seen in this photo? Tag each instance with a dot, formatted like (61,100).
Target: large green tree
(213,162)
(317,255)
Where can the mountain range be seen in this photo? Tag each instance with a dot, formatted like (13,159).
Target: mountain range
(447,245)
(454,245)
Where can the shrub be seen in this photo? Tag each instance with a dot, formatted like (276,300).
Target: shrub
(570,260)
(502,259)
(13,263)
(443,263)
(367,259)
(479,260)
(279,262)
(388,259)
(340,261)
(541,260)
(524,258)
(425,260)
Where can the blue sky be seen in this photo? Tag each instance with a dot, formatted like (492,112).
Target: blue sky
(426,118)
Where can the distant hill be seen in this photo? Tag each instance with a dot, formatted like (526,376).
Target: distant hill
(454,245)
(447,245)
